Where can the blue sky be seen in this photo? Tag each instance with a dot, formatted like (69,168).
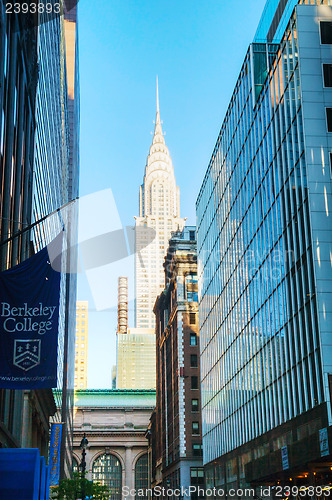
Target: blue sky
(196,48)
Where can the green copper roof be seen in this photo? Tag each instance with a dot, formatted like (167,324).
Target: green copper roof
(116,398)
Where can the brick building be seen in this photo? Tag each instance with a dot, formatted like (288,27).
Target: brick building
(177,427)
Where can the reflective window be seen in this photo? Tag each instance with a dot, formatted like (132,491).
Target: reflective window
(194,405)
(195,428)
(141,475)
(194,382)
(197,450)
(107,470)
(257,312)
(327,74)
(193,360)
(326,32)
(329,119)
(75,465)
(197,476)
(191,288)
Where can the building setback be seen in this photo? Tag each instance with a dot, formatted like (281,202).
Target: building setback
(264,231)
(175,428)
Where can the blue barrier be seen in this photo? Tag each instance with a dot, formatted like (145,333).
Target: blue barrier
(23,475)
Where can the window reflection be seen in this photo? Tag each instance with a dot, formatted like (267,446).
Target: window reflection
(107,470)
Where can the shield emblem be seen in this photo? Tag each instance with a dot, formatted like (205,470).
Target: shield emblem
(26,354)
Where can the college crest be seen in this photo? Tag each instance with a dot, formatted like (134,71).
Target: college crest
(26,354)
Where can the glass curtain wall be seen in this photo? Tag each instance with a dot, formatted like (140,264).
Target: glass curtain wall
(260,352)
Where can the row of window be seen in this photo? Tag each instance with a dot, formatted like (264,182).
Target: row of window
(326,39)
(249,204)
(107,470)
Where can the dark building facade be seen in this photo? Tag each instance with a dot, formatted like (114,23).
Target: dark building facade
(39,166)
(264,239)
(18,88)
(176,456)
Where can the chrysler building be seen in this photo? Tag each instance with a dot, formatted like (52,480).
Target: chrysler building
(159,209)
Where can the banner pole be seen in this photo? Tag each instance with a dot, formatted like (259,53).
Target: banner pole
(30,226)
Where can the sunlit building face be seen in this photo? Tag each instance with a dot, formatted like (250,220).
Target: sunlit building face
(159,210)
(263,224)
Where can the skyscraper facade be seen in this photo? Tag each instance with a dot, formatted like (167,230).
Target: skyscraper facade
(159,210)
(35,132)
(264,257)
(81,344)
(136,359)
(56,167)
(70,36)
(18,86)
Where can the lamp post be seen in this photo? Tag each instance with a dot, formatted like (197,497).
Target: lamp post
(83,445)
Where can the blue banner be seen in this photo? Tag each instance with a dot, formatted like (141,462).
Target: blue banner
(54,459)
(29,317)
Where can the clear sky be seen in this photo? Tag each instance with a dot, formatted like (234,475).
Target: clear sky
(196,48)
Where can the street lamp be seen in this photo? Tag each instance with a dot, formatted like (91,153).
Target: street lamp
(83,445)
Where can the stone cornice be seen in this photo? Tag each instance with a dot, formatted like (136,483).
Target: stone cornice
(113,408)
(109,392)
(100,433)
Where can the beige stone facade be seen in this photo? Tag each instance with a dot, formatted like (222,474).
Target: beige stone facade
(114,422)
(136,359)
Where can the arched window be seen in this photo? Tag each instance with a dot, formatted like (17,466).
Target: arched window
(141,475)
(107,470)
(75,465)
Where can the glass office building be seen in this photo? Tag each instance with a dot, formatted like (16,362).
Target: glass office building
(39,118)
(264,254)
(56,168)
(18,83)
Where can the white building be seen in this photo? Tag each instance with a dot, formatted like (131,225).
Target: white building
(159,209)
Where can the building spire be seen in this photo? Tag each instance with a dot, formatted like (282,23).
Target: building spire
(158,133)
(157,96)
(157,113)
